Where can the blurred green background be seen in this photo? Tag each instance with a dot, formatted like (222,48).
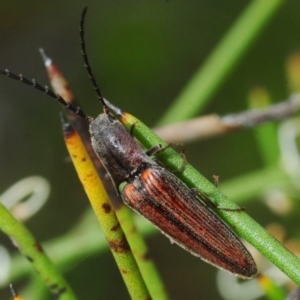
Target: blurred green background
(143,53)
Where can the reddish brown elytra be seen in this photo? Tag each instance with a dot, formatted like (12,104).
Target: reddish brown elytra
(154,192)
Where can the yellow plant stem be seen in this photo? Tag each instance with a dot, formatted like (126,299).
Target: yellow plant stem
(105,215)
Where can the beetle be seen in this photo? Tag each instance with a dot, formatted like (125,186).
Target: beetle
(159,196)
(153,191)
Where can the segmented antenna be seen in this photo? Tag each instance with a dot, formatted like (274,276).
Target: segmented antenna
(46,90)
(86,62)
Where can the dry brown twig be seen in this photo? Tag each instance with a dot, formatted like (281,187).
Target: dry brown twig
(214,125)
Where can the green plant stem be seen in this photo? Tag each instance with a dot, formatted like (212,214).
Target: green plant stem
(138,246)
(224,58)
(240,221)
(32,250)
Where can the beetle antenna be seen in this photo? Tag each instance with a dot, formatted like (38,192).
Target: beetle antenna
(46,90)
(86,62)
